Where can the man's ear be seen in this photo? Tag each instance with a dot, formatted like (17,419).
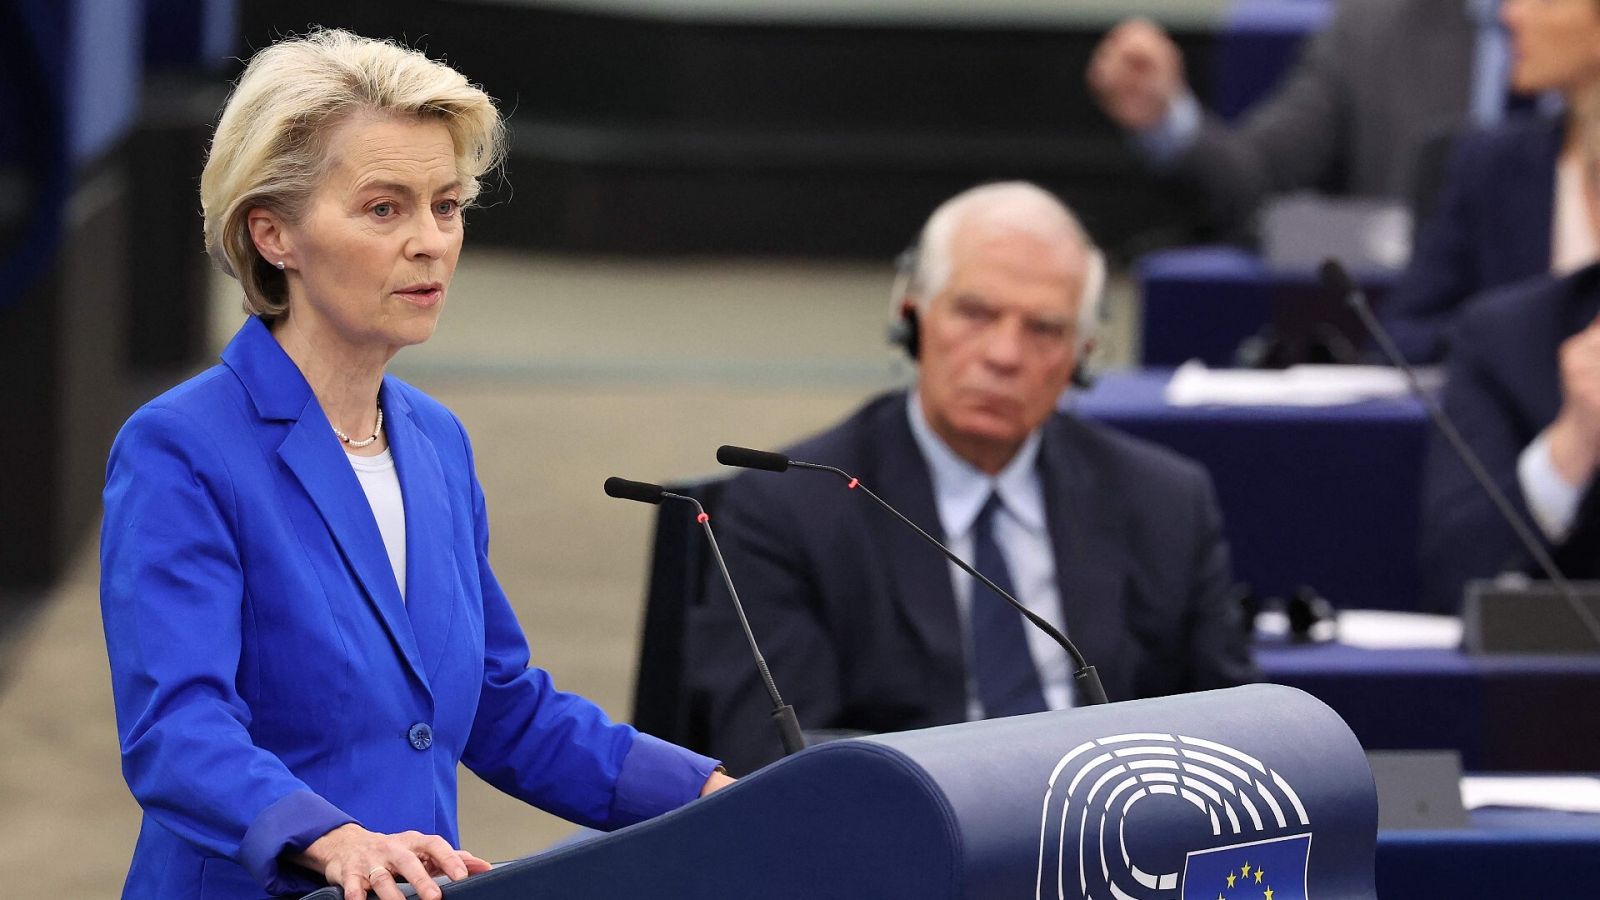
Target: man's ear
(271,237)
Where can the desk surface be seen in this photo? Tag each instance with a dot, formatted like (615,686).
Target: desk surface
(1142,393)
(1325,496)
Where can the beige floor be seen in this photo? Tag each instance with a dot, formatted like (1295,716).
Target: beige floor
(565,371)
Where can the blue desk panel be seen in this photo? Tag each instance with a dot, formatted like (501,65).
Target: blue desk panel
(1504,713)
(1503,853)
(1325,496)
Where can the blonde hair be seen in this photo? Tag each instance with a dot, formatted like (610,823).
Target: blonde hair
(1017,206)
(270,147)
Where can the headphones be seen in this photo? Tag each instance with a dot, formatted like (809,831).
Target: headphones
(905,329)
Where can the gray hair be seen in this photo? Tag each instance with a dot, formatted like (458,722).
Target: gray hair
(1019,206)
(270,148)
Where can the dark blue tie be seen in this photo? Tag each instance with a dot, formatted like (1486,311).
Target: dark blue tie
(1008,683)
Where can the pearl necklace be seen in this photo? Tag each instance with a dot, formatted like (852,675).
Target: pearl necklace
(365,443)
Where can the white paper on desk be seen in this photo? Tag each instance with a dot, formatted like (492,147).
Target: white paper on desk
(1195,385)
(1566,793)
(1379,629)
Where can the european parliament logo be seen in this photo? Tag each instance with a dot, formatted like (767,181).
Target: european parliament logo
(1170,817)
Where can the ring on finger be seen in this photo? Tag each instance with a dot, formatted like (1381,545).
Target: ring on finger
(371,875)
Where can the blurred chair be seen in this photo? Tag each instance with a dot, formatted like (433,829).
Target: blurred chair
(680,561)
(1225,306)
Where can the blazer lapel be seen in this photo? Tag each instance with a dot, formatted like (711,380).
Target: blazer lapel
(1527,190)
(921,576)
(430,558)
(314,456)
(1090,567)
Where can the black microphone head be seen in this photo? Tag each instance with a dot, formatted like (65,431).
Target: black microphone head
(642,491)
(745,458)
(1336,278)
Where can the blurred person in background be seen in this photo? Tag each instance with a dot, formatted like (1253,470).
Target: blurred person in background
(1521,200)
(1354,117)
(1112,540)
(304,631)
(1523,385)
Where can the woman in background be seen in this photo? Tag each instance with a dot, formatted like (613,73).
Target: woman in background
(1521,200)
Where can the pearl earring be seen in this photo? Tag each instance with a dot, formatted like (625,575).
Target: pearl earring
(281,264)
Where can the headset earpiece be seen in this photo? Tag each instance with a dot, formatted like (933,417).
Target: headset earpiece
(904,330)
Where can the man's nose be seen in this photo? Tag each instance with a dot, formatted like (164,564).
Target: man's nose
(1003,345)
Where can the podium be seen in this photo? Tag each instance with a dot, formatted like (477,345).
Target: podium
(1257,791)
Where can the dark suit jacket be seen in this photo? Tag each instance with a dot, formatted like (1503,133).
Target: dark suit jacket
(1492,227)
(856,614)
(1365,99)
(1504,388)
(270,681)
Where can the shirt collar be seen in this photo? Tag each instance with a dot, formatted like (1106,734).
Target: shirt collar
(960,490)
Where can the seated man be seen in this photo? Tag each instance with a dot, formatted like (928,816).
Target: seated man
(1369,95)
(1115,541)
(1523,385)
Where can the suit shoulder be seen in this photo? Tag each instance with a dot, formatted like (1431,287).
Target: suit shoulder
(1507,141)
(1514,308)
(851,444)
(1125,458)
(434,417)
(199,404)
(200,394)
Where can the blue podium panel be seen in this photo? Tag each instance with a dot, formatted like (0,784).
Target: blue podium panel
(1510,713)
(1325,496)
(1147,800)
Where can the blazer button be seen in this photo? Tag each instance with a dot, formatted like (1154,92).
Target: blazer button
(420,736)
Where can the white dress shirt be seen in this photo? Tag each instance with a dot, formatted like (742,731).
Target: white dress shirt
(960,492)
(381,483)
(1552,500)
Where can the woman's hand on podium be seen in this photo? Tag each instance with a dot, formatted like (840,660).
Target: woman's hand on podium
(719,779)
(357,860)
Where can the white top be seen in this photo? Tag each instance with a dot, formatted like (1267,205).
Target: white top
(1572,237)
(381,483)
(960,492)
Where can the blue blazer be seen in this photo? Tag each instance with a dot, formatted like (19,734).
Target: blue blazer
(1503,387)
(857,616)
(1491,227)
(270,681)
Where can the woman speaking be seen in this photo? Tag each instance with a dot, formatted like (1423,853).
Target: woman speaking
(304,631)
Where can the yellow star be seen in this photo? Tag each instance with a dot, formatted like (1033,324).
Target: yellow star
(1231,878)
(1245,871)
(1258,874)
(1269,893)
(1220,897)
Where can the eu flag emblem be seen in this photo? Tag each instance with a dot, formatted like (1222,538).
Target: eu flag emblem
(1259,870)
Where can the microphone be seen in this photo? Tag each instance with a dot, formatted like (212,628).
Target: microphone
(642,491)
(783,716)
(745,458)
(1085,678)
(1335,278)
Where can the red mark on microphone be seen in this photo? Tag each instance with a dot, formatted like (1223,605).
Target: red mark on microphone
(702,518)
(853,483)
